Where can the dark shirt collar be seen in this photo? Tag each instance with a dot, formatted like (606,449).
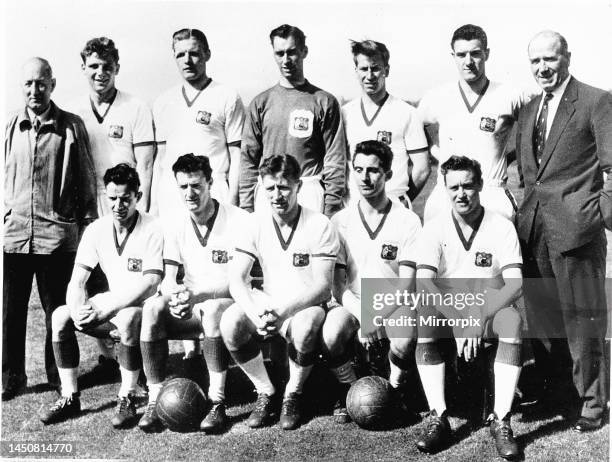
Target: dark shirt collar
(24,122)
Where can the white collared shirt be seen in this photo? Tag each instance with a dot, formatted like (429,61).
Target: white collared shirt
(553,104)
(44,117)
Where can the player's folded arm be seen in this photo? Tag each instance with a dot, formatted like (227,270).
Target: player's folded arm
(419,173)
(135,295)
(168,284)
(339,282)
(316,293)
(208,290)
(239,272)
(496,299)
(76,292)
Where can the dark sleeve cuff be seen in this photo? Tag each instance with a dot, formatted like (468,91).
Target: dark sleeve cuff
(429,267)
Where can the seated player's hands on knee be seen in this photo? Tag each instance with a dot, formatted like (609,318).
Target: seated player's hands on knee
(180,305)
(271,323)
(85,316)
(80,313)
(468,347)
(370,336)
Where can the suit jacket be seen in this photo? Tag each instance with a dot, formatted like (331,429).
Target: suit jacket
(568,190)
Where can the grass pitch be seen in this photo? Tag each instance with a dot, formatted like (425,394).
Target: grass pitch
(544,434)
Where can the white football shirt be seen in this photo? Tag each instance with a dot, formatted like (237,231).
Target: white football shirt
(128,122)
(492,247)
(397,124)
(379,252)
(287,261)
(203,123)
(124,263)
(478,130)
(206,251)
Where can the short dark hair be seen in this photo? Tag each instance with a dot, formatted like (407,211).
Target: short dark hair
(123,174)
(190,163)
(462,163)
(186,34)
(470,32)
(286,31)
(378,149)
(285,164)
(370,48)
(103,47)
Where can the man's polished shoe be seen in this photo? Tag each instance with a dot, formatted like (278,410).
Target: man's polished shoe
(262,412)
(150,422)
(15,385)
(437,435)
(62,409)
(216,419)
(501,431)
(585,424)
(291,411)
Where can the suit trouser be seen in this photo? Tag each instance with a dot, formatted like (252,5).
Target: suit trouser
(567,303)
(52,276)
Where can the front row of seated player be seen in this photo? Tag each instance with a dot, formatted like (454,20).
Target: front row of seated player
(303,255)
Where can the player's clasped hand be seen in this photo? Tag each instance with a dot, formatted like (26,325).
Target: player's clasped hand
(83,316)
(179,304)
(268,324)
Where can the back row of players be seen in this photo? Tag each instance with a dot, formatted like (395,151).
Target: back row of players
(298,247)
(205,117)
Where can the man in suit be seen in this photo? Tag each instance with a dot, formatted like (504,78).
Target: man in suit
(564,143)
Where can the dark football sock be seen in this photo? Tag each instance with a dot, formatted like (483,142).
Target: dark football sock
(66,353)
(216,354)
(154,359)
(129,357)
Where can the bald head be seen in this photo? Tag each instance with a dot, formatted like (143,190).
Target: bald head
(549,58)
(550,36)
(41,65)
(37,84)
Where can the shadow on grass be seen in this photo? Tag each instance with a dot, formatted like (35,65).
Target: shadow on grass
(40,388)
(98,409)
(547,429)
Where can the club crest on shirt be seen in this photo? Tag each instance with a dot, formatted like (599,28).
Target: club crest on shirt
(300,123)
(203,117)
(487,124)
(388,252)
(383,136)
(483,259)
(219,256)
(134,265)
(115,131)
(301,259)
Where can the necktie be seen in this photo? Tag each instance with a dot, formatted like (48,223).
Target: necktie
(539,137)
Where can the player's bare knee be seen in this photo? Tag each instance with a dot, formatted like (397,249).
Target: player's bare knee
(129,325)
(61,322)
(403,347)
(306,327)
(507,323)
(233,327)
(337,330)
(211,312)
